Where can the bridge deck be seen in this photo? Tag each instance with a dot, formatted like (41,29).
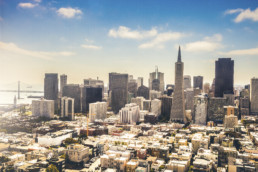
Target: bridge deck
(22,91)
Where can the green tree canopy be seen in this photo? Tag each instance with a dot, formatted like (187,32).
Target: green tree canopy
(69,141)
(52,168)
(4,159)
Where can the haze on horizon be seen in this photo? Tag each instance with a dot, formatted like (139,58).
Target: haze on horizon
(89,39)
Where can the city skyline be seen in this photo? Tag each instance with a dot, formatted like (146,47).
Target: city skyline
(128,86)
(89,39)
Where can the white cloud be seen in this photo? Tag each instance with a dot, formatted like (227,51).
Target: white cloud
(233,11)
(69,12)
(1,19)
(247,14)
(125,32)
(38,1)
(160,39)
(156,39)
(251,51)
(13,48)
(27,5)
(93,47)
(244,14)
(208,44)
(201,46)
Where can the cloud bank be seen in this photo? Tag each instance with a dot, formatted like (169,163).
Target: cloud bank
(208,44)
(13,48)
(244,14)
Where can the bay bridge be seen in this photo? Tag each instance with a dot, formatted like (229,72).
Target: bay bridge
(21,87)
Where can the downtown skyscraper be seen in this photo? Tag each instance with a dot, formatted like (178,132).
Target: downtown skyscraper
(254,96)
(63,82)
(178,103)
(118,90)
(156,81)
(51,88)
(224,77)
(197,82)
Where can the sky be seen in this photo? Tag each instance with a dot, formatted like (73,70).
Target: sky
(91,38)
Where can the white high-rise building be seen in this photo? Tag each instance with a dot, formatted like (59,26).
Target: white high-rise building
(67,108)
(98,110)
(130,114)
(43,107)
(156,107)
(200,109)
(138,101)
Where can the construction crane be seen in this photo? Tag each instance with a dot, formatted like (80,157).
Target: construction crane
(88,123)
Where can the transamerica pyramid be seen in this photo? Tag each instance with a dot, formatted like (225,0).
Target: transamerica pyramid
(178,104)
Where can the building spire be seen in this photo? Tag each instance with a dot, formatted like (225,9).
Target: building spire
(156,72)
(179,55)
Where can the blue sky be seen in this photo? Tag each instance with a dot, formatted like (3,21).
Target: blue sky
(90,38)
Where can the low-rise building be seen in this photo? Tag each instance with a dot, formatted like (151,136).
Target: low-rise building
(78,153)
(54,139)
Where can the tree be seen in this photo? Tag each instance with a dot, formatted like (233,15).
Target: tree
(152,170)
(63,156)
(52,168)
(69,141)
(4,159)
(190,169)
(161,167)
(82,137)
(237,144)
(9,169)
